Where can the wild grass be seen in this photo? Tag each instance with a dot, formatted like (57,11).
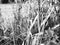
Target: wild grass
(26,23)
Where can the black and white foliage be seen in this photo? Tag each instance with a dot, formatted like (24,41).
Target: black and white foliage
(29,22)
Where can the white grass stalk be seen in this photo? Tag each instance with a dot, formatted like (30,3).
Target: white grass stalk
(44,21)
(33,22)
(56,26)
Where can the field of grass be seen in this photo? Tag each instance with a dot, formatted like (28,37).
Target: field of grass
(30,22)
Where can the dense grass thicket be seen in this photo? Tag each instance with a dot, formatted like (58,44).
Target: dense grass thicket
(30,22)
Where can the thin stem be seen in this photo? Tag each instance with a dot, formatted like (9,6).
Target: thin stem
(13,34)
(56,26)
(33,22)
(44,21)
(43,2)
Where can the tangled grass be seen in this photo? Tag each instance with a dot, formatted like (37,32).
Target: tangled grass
(33,24)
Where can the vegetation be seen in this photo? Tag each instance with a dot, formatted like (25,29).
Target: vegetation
(35,22)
